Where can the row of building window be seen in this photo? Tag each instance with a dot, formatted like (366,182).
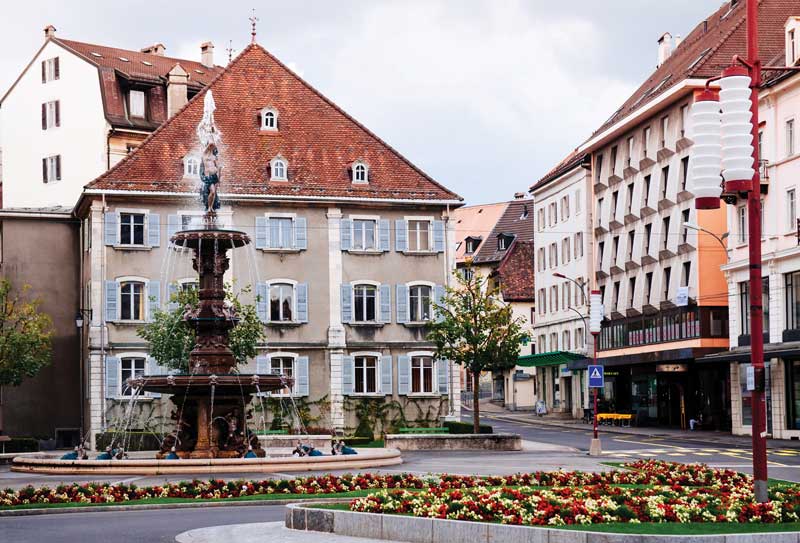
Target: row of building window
(566,255)
(791,283)
(666,277)
(648,237)
(571,297)
(279,169)
(575,340)
(553,210)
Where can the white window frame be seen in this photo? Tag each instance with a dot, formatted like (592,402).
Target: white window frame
(578,197)
(540,220)
(140,100)
(224,216)
(282,281)
(741,223)
(293,218)
(565,208)
(145,297)
(191,166)
(434,377)
(367,282)
(182,283)
(790,133)
(130,211)
(378,373)
(50,114)
(273,175)
(52,169)
(429,284)
(120,383)
(376,233)
(293,388)
(50,70)
(791,210)
(360,165)
(274,125)
(427,219)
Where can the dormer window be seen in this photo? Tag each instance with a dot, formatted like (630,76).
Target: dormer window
(191,166)
(278,169)
(504,241)
(471,244)
(269,119)
(792,33)
(360,172)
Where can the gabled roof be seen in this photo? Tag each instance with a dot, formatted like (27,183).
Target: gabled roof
(517,219)
(318,140)
(517,273)
(476,222)
(574,159)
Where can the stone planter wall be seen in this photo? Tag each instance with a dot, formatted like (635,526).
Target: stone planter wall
(454,442)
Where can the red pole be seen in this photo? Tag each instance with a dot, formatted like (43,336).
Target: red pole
(756,308)
(595,390)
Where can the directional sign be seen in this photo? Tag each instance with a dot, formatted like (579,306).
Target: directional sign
(596,379)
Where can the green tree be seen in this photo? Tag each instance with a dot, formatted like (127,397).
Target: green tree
(476,330)
(25,337)
(171,338)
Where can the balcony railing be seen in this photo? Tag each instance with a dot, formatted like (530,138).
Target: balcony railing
(664,326)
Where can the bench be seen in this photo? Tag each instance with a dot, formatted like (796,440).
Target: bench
(618,419)
(424,431)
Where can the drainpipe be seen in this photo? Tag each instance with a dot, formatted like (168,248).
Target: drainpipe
(103,324)
(447,273)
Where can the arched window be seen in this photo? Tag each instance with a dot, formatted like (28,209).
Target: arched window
(191,166)
(360,172)
(278,169)
(269,119)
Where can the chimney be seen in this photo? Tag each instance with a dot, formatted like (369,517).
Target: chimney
(677,42)
(49,31)
(177,96)
(155,49)
(207,54)
(519,195)
(664,48)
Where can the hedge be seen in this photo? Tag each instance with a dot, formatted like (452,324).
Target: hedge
(134,441)
(20,445)
(465,427)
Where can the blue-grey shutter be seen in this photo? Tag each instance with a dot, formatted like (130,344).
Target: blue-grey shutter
(173,225)
(386,375)
(400,235)
(301,376)
(384,234)
(112,300)
(300,233)
(172,291)
(154,229)
(261,233)
(348,371)
(402,304)
(110,229)
(386,303)
(347,302)
(443,369)
(302,302)
(438,299)
(262,364)
(153,369)
(403,375)
(438,236)
(262,293)
(346,233)
(154,298)
(112,377)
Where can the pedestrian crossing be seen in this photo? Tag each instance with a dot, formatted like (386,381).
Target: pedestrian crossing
(687,451)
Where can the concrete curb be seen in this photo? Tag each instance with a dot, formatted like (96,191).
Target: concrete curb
(304,517)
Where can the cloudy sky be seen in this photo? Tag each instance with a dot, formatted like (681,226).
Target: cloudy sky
(484,95)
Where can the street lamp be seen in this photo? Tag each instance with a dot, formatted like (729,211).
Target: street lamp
(581,286)
(81,316)
(721,239)
(595,319)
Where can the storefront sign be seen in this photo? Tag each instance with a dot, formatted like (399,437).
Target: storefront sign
(671,368)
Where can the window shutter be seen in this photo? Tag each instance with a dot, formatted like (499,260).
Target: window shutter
(438,299)
(58,167)
(173,225)
(402,304)
(403,374)
(301,376)
(58,112)
(261,305)
(112,305)
(386,375)
(44,116)
(383,234)
(172,291)
(438,236)
(110,228)
(153,369)
(57,68)
(300,233)
(44,71)
(348,375)
(346,233)
(261,233)
(154,298)
(262,365)
(386,303)
(443,369)
(154,229)
(44,170)
(400,235)
(302,302)
(112,377)
(347,302)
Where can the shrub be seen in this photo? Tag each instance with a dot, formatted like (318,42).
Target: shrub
(134,441)
(455,427)
(357,441)
(20,445)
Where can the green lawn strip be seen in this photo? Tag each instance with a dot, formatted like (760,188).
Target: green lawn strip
(618,465)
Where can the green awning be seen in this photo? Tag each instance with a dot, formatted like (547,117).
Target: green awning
(555,358)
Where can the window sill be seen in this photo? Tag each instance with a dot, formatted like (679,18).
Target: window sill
(425,394)
(132,247)
(126,323)
(421,253)
(366,324)
(367,252)
(284,324)
(417,324)
(370,394)
(128,398)
(280,250)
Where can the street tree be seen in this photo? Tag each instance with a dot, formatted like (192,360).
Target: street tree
(171,338)
(26,335)
(475,329)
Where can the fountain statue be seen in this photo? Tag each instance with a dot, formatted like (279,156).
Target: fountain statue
(212,400)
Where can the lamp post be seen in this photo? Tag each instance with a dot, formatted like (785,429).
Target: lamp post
(721,239)
(595,317)
(81,316)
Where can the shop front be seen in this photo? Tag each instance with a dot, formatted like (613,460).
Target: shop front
(558,389)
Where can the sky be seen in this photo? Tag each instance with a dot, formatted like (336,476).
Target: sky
(485,96)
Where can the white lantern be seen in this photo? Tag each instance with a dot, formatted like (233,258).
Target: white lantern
(595,311)
(705,161)
(737,130)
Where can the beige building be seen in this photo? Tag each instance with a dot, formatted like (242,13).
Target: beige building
(351,246)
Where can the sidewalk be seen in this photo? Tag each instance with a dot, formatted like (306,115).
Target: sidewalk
(274,532)
(496,412)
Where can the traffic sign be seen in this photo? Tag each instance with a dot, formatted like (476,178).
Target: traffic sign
(596,378)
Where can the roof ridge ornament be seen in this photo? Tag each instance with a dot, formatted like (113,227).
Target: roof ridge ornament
(253,20)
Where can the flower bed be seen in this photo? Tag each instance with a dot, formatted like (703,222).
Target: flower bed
(666,492)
